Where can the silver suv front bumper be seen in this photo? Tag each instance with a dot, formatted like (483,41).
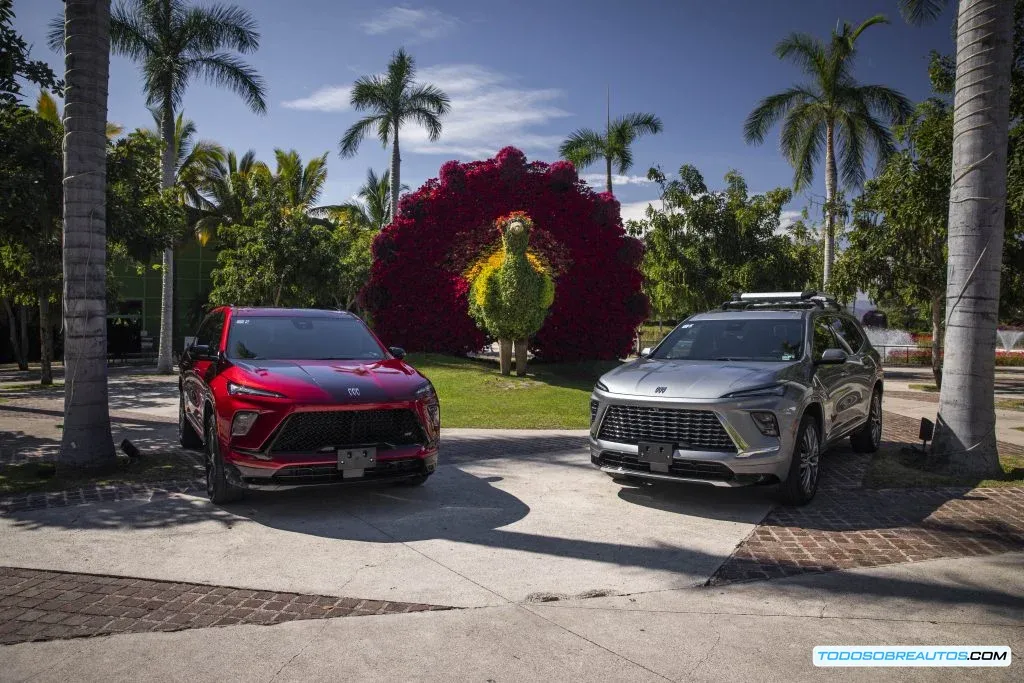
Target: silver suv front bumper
(756,458)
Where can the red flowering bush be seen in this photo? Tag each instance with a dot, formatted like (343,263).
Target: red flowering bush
(417,294)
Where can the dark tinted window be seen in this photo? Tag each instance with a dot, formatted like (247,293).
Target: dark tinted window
(823,338)
(301,338)
(758,339)
(205,332)
(852,335)
(836,324)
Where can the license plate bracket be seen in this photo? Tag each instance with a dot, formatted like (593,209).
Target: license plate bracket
(353,462)
(657,455)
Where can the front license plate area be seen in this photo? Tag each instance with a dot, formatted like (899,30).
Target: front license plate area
(657,455)
(353,461)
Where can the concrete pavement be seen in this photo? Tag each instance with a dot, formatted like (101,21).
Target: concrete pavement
(757,631)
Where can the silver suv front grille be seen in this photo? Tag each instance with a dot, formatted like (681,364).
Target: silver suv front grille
(688,429)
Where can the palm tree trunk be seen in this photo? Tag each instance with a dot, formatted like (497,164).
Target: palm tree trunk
(830,194)
(608,174)
(45,340)
(164,361)
(396,181)
(85,440)
(965,438)
(937,301)
(19,349)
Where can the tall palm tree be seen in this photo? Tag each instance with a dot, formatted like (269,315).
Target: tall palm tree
(173,44)
(585,146)
(965,436)
(85,439)
(394,99)
(374,200)
(831,110)
(300,184)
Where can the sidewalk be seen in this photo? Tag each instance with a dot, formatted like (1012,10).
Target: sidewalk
(735,633)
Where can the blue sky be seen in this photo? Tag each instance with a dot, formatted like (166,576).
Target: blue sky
(526,73)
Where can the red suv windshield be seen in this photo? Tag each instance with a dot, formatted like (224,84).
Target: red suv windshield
(300,338)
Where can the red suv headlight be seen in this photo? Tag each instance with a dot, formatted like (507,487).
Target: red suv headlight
(242,390)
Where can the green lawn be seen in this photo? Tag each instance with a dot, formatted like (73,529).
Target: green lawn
(474,394)
(899,470)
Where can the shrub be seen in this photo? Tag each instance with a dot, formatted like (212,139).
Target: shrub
(418,294)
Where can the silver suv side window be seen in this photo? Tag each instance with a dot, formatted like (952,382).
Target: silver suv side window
(847,329)
(836,325)
(823,338)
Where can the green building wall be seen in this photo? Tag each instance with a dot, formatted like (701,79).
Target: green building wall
(139,295)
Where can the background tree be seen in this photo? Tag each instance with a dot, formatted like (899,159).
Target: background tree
(16,63)
(30,219)
(704,245)
(965,437)
(831,115)
(85,439)
(174,43)
(897,247)
(585,146)
(394,99)
(373,207)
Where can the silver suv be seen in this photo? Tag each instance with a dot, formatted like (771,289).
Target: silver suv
(752,393)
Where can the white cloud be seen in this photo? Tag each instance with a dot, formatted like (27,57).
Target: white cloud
(637,210)
(488,111)
(598,180)
(328,98)
(425,23)
(786,219)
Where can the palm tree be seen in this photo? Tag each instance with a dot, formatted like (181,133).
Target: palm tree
(300,184)
(85,439)
(229,189)
(373,206)
(195,161)
(394,99)
(831,110)
(585,146)
(174,43)
(965,436)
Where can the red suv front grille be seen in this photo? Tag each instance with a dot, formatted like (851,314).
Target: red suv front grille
(308,432)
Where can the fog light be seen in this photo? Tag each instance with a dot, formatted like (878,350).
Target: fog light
(243,422)
(766,423)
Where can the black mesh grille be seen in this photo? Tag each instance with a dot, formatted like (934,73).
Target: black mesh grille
(327,474)
(687,429)
(692,469)
(310,432)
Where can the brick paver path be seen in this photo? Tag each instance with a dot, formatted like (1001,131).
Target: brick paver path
(846,526)
(45,605)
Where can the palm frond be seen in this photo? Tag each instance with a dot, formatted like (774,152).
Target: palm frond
(850,140)
(212,28)
(892,104)
(919,12)
(771,109)
(226,70)
(130,34)
(870,21)
(806,51)
(55,33)
(637,124)
(584,147)
(349,144)
(806,152)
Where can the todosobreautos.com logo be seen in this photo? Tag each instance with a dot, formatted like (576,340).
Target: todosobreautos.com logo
(912,655)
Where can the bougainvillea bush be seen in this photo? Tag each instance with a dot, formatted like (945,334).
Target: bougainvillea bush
(417,293)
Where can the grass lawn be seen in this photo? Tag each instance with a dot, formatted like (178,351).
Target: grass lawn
(474,394)
(39,477)
(893,470)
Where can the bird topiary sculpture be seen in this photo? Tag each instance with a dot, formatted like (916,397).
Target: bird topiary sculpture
(511,291)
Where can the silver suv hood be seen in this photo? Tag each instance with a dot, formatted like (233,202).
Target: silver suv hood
(695,379)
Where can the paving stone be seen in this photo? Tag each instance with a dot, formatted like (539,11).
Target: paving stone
(82,605)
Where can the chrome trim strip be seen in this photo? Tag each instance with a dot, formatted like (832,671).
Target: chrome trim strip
(668,477)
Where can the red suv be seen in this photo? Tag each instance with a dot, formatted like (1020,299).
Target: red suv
(282,398)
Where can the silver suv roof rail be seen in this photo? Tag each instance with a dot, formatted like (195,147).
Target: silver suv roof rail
(784,300)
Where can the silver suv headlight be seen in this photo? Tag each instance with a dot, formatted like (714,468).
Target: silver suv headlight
(773,390)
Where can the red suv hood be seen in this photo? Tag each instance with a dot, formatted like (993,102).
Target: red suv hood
(331,380)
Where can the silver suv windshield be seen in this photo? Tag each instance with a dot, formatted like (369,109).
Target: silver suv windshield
(735,339)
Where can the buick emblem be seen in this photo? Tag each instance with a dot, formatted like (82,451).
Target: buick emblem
(353,391)
(661,390)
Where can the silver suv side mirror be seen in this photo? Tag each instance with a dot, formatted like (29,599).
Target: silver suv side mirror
(832,357)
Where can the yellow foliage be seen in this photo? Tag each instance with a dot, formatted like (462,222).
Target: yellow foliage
(479,273)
